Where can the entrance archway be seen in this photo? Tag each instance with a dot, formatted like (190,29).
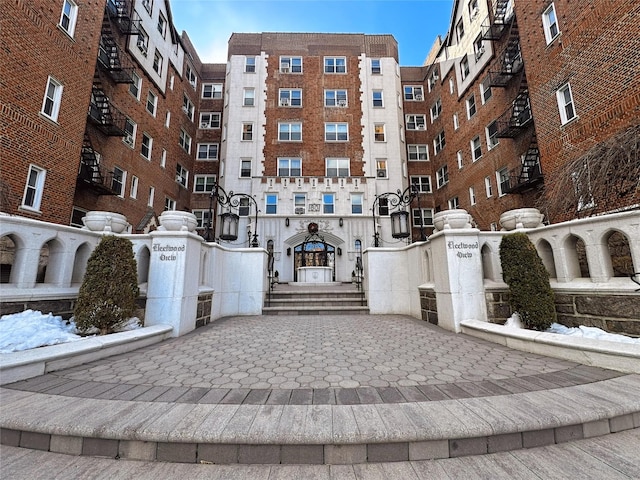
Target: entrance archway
(314,252)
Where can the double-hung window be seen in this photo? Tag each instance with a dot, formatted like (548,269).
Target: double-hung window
(135,85)
(290,64)
(502,177)
(336,132)
(133,189)
(289,167)
(69,16)
(442,176)
(187,107)
(212,90)
(152,103)
(478,47)
(130,128)
(118,177)
(453,203)
(550,24)
(207,151)
(169,204)
(210,120)
(565,103)
(142,41)
(52,99)
(245,168)
(460,30)
(485,90)
(377,98)
(290,97)
(418,152)
(157,62)
(422,183)
(34,188)
(290,132)
(182,175)
(271,204)
(492,134)
(436,110)
(379,134)
(335,65)
(147,145)
(422,217)
(488,187)
(416,122)
(472,195)
(335,98)
(439,143)
(203,183)
(356,203)
(250,65)
(381,168)
(413,93)
(185,141)
(299,203)
(476,148)
(375,66)
(337,167)
(249,97)
(471,106)
(247,131)
(328,203)
(464,67)
(162,30)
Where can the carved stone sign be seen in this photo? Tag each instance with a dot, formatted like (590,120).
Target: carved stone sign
(464,249)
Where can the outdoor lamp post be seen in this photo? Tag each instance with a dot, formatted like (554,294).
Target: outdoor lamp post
(400,227)
(230,220)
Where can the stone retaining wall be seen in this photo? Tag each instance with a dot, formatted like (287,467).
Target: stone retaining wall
(203,313)
(428,306)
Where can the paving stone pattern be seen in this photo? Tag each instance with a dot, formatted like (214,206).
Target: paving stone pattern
(301,360)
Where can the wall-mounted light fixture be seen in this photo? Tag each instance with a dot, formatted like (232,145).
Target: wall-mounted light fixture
(341,221)
(339,250)
(288,251)
(286,222)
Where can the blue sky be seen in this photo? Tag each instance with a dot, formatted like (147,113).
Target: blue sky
(414,23)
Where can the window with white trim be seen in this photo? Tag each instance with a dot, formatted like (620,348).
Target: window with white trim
(202,218)
(142,41)
(565,103)
(118,179)
(290,64)
(210,120)
(162,30)
(146,146)
(416,122)
(460,159)
(299,203)
(151,196)
(129,136)
(158,59)
(442,176)
(471,106)
(191,76)
(335,98)
(212,90)
(335,64)
(413,93)
(492,135)
(337,167)
(356,203)
(550,24)
(452,86)
(379,132)
(271,204)
(336,132)
(187,107)
(422,183)
(473,9)
(133,190)
(163,158)
(52,99)
(472,195)
(167,119)
(464,67)
(203,183)
(182,175)
(148,5)
(169,204)
(422,217)
(244,208)
(460,30)
(152,103)
(250,65)
(69,17)
(289,167)
(33,189)
(436,110)
(439,143)
(289,131)
(247,132)
(453,203)
(502,178)
(433,78)
(418,152)
(328,203)
(249,97)
(290,97)
(135,86)
(476,148)
(207,151)
(185,141)
(478,47)
(488,187)
(375,66)
(377,98)
(383,206)
(456,122)
(485,90)
(245,168)
(381,168)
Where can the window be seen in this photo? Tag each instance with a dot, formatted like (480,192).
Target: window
(422,183)
(167,119)
(210,119)
(152,103)
(335,98)
(452,86)
(187,107)
(460,30)
(565,103)
(460,159)
(416,122)
(439,143)
(476,148)
(418,152)
(152,194)
(502,177)
(52,99)
(34,188)
(142,41)
(202,217)
(422,217)
(207,151)
(453,203)
(550,24)
(379,135)
(328,203)
(464,67)
(433,78)
(291,64)
(478,47)
(162,29)
(413,93)
(381,168)
(492,135)
(290,132)
(290,97)
(244,208)
(456,122)
(129,132)
(472,195)
(163,158)
(375,66)
(203,183)
(135,85)
(169,204)
(485,90)
(377,98)
(471,106)
(182,175)
(436,110)
(68,17)
(337,167)
(147,145)
(191,76)
(335,65)
(212,90)
(473,9)
(336,132)
(488,188)
(185,141)
(148,5)
(250,65)
(289,167)
(248,97)
(245,168)
(356,203)
(271,204)
(247,131)
(383,207)
(299,203)
(118,177)
(133,191)
(157,62)
(442,176)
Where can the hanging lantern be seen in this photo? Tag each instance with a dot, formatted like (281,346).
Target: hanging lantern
(400,224)
(229,226)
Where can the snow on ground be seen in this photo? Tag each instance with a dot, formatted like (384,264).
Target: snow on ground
(32,329)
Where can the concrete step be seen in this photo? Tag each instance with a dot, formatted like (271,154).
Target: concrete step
(305,309)
(286,302)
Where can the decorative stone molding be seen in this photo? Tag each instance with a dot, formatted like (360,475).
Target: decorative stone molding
(172,220)
(521,218)
(457,218)
(102,221)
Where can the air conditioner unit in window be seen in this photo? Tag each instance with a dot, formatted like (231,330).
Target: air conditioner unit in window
(436,76)
(143,47)
(299,210)
(284,102)
(128,139)
(285,69)
(419,98)
(204,125)
(421,127)
(342,103)
(382,173)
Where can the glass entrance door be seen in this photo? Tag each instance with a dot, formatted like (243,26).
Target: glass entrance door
(314,252)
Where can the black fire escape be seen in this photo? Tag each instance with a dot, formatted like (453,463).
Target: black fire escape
(494,26)
(121,13)
(110,58)
(92,176)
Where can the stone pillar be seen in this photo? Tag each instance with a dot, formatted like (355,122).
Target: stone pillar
(458,278)
(174,277)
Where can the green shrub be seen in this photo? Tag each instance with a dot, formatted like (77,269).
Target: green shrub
(530,293)
(109,290)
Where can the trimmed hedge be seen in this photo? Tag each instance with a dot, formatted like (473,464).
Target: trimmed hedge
(530,292)
(109,290)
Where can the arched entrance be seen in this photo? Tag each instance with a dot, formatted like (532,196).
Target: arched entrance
(314,252)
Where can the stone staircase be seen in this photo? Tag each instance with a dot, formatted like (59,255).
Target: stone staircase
(335,299)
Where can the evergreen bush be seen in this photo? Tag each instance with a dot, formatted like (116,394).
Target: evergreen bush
(530,292)
(109,290)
